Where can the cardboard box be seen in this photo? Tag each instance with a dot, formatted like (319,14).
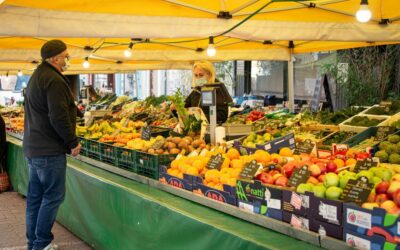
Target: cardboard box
(326,229)
(260,199)
(228,195)
(296,203)
(185,183)
(372,222)
(360,241)
(325,210)
(296,220)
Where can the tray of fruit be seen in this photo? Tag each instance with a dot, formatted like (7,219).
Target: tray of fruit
(360,123)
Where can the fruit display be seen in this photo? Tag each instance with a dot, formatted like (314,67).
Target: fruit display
(363,121)
(313,135)
(246,116)
(337,137)
(391,109)
(253,139)
(367,143)
(326,117)
(389,151)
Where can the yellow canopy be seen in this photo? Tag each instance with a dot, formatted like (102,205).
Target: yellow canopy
(172,33)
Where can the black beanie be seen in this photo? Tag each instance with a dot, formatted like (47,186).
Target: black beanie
(52,48)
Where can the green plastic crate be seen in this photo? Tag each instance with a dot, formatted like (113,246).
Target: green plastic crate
(149,164)
(93,149)
(84,147)
(125,158)
(107,153)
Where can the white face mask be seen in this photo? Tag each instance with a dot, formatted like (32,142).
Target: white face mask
(200,82)
(66,64)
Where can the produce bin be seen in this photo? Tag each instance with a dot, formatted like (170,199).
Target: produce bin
(84,146)
(272,146)
(93,149)
(375,242)
(186,183)
(345,127)
(228,195)
(125,158)
(149,164)
(107,153)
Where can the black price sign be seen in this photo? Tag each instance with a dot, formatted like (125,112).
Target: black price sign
(305,147)
(383,132)
(357,191)
(249,171)
(386,105)
(299,175)
(146,133)
(215,162)
(365,165)
(158,144)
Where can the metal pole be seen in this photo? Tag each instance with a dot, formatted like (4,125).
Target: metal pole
(291,82)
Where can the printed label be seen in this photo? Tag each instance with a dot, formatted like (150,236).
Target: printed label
(358,242)
(305,201)
(358,218)
(322,231)
(267,146)
(246,207)
(296,201)
(328,212)
(274,203)
(398,228)
(295,221)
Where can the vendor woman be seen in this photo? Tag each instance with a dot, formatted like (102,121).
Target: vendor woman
(203,74)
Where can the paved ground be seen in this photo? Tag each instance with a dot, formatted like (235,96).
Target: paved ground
(12,226)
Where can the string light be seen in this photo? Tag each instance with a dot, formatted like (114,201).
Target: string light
(211,51)
(86,63)
(363,15)
(128,51)
(20,73)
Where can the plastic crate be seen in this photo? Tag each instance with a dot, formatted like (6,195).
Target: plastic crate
(107,153)
(344,127)
(84,146)
(125,158)
(93,149)
(149,164)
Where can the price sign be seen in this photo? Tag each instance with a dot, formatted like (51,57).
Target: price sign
(365,165)
(386,105)
(299,175)
(357,191)
(305,147)
(383,132)
(215,162)
(158,144)
(249,171)
(146,133)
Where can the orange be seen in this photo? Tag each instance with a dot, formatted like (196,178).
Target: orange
(225,170)
(191,159)
(225,178)
(226,163)
(175,164)
(275,156)
(211,184)
(183,167)
(173,172)
(285,152)
(350,161)
(232,182)
(262,156)
(192,171)
(212,175)
(180,175)
(233,153)
(339,162)
(219,186)
(235,172)
(198,164)
(237,163)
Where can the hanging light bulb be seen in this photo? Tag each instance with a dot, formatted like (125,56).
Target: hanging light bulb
(19,73)
(86,63)
(211,49)
(128,51)
(363,15)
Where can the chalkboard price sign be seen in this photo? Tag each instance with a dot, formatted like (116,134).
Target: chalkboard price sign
(299,175)
(305,147)
(146,133)
(383,132)
(365,165)
(357,191)
(215,162)
(249,171)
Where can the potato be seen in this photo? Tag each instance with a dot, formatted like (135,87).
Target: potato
(159,151)
(191,148)
(188,139)
(165,145)
(171,145)
(176,140)
(183,144)
(175,151)
(152,151)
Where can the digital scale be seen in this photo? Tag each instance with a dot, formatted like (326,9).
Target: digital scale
(209,99)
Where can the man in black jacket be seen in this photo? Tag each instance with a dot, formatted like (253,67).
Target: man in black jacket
(50,120)
(3,144)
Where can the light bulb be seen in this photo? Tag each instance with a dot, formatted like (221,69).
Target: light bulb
(211,51)
(19,73)
(128,52)
(363,15)
(86,63)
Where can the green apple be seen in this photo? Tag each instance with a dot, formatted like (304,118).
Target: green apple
(365,173)
(373,170)
(384,173)
(331,179)
(304,187)
(333,193)
(319,191)
(344,179)
(375,180)
(343,173)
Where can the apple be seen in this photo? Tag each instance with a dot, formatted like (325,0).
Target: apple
(312,180)
(273,172)
(322,166)
(382,187)
(389,206)
(394,186)
(396,197)
(319,191)
(384,173)
(375,180)
(331,179)
(333,192)
(304,187)
(315,170)
(369,205)
(265,178)
(373,170)
(287,170)
(395,177)
(380,198)
(331,167)
(321,178)
(276,176)
(365,173)
(281,181)
(371,197)
(344,179)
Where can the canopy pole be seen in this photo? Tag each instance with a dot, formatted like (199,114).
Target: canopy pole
(291,82)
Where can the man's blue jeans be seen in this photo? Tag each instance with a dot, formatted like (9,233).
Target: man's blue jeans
(46,192)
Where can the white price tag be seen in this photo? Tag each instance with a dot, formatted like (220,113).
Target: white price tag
(296,201)
(274,203)
(359,218)
(328,212)
(358,242)
(305,201)
(267,146)
(246,207)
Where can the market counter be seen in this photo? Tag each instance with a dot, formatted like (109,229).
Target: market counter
(112,212)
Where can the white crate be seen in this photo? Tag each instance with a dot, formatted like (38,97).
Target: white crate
(344,127)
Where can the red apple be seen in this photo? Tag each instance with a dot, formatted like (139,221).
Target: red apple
(371,197)
(276,176)
(281,181)
(396,198)
(382,187)
(312,180)
(315,170)
(331,167)
(265,178)
(394,186)
(287,170)
(380,198)
(322,166)
(389,206)
(321,178)
(273,172)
